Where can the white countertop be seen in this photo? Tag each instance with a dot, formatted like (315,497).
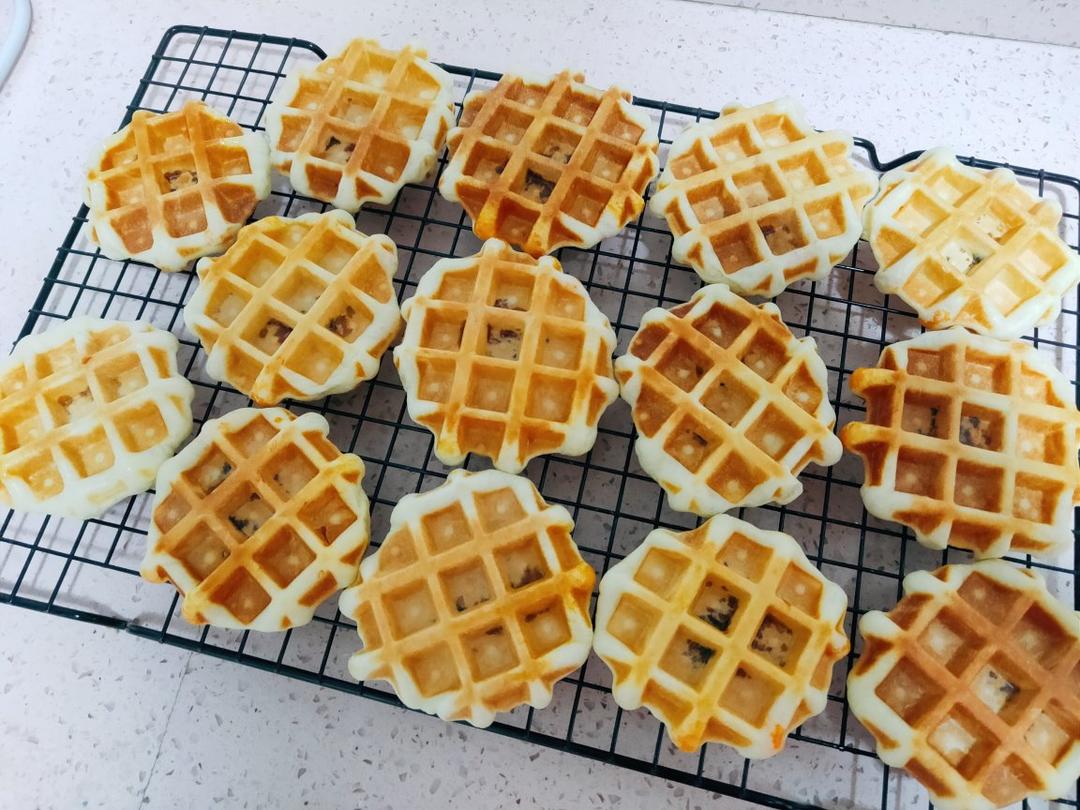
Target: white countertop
(96,718)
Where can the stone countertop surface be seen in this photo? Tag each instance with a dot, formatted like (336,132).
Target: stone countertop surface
(95,718)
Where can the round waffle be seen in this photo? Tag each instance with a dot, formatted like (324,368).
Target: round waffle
(729,405)
(758,199)
(360,125)
(505,356)
(972,684)
(544,164)
(967,247)
(170,187)
(88,412)
(476,602)
(296,308)
(970,441)
(726,633)
(257,521)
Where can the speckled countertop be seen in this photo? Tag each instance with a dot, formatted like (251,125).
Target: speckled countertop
(93,718)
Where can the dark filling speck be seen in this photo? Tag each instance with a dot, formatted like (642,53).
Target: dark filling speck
(280,331)
(181,178)
(698,654)
(530,574)
(341,325)
(721,612)
(974,433)
(537,186)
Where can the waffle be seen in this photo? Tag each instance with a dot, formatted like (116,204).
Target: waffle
(360,125)
(967,247)
(88,412)
(544,164)
(972,684)
(258,521)
(758,199)
(170,187)
(505,356)
(476,602)
(729,406)
(970,441)
(297,308)
(726,633)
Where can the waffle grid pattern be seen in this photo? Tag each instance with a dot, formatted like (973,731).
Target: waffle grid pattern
(971,442)
(726,632)
(543,164)
(758,199)
(87,414)
(258,520)
(520,344)
(63,567)
(361,124)
(969,248)
(729,405)
(169,188)
(476,602)
(974,682)
(297,308)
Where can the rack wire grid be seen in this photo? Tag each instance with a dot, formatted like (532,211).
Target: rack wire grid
(89,570)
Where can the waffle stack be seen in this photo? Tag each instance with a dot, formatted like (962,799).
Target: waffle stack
(360,125)
(171,187)
(476,602)
(297,308)
(505,356)
(728,404)
(758,199)
(967,247)
(972,684)
(88,411)
(547,164)
(726,633)
(970,441)
(258,521)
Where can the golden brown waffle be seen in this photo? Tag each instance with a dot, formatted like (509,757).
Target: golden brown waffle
(360,125)
(972,684)
(758,199)
(726,633)
(967,247)
(970,441)
(550,163)
(505,356)
(258,520)
(170,187)
(728,404)
(476,602)
(297,308)
(88,412)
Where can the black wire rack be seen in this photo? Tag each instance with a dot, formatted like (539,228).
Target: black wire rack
(89,570)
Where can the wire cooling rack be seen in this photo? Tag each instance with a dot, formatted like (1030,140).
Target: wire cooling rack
(89,570)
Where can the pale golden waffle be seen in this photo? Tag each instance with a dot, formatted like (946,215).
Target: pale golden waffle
(360,125)
(544,164)
(968,247)
(298,308)
(476,602)
(258,521)
(758,199)
(726,633)
(505,356)
(729,405)
(970,441)
(88,412)
(972,684)
(170,187)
